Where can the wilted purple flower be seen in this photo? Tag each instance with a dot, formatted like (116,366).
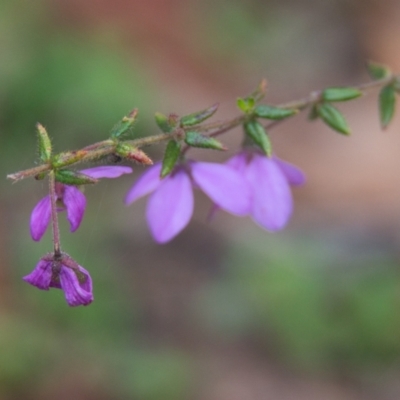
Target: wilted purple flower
(71,199)
(63,273)
(170,207)
(269,180)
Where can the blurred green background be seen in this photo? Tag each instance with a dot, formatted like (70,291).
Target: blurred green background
(226,310)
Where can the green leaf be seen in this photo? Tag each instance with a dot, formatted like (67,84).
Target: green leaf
(44,143)
(270,112)
(163,122)
(333,117)
(199,117)
(123,127)
(378,71)
(340,94)
(259,136)
(387,103)
(246,105)
(196,139)
(73,178)
(166,123)
(171,156)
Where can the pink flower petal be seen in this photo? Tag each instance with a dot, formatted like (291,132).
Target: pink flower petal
(75,203)
(40,218)
(294,175)
(41,275)
(147,183)
(225,186)
(272,199)
(106,171)
(76,293)
(170,207)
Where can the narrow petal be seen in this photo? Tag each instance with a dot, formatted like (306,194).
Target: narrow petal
(170,207)
(76,293)
(225,186)
(272,199)
(41,275)
(106,171)
(75,203)
(294,175)
(146,184)
(40,218)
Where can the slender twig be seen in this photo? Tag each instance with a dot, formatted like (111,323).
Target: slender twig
(54,216)
(106,147)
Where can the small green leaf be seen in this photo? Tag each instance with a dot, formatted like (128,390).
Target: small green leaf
(199,117)
(73,178)
(162,122)
(333,117)
(44,143)
(340,94)
(196,139)
(246,105)
(166,123)
(171,156)
(270,112)
(259,136)
(387,103)
(123,127)
(378,71)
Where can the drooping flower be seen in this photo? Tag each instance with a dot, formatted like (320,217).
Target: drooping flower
(170,207)
(64,273)
(71,199)
(269,180)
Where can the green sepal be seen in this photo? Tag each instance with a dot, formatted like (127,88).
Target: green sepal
(270,112)
(171,156)
(67,158)
(73,178)
(378,71)
(199,117)
(387,103)
(340,94)
(196,139)
(259,136)
(246,104)
(333,118)
(44,143)
(122,127)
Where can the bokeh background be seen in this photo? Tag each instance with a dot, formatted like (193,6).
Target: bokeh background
(226,311)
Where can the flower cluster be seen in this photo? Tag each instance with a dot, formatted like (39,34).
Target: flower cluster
(58,270)
(248,184)
(71,199)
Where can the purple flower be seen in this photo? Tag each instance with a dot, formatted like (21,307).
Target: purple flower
(269,180)
(63,273)
(71,199)
(170,207)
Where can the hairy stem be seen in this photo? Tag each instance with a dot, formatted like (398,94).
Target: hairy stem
(54,216)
